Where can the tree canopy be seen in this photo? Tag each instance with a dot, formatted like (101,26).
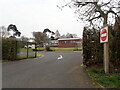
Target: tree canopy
(40,37)
(3,31)
(96,12)
(14,29)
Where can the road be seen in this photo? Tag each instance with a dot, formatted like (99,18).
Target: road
(47,72)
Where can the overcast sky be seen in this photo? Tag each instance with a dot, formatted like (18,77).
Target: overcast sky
(36,15)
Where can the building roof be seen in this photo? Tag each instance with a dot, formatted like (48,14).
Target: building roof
(69,39)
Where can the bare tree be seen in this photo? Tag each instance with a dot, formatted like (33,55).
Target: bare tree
(3,32)
(25,39)
(96,12)
(40,37)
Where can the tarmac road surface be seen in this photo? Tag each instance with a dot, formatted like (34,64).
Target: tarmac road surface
(47,72)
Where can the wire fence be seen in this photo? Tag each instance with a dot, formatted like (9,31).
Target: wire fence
(25,50)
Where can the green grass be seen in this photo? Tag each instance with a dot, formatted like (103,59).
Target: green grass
(25,50)
(39,49)
(65,49)
(111,81)
(21,57)
(24,56)
(59,49)
(0,61)
(29,56)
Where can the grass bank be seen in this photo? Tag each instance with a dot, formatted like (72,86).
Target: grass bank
(109,81)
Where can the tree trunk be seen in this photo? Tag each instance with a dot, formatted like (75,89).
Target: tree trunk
(105,19)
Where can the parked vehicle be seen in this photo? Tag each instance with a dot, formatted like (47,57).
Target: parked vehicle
(29,46)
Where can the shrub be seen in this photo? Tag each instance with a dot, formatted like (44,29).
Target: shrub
(48,48)
(38,49)
(93,49)
(77,49)
(9,49)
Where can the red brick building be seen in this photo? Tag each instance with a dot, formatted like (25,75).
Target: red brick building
(69,42)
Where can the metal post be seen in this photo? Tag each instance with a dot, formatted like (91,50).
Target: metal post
(16,49)
(106,58)
(27,49)
(35,50)
(106,49)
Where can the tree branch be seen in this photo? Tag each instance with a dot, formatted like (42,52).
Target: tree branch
(95,18)
(106,3)
(111,11)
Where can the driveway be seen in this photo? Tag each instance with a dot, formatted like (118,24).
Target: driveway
(47,72)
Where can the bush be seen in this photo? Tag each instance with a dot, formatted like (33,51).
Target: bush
(77,49)
(115,47)
(93,49)
(38,49)
(9,49)
(52,48)
(48,48)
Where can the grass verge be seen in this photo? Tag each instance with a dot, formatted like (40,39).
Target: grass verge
(39,49)
(22,57)
(51,49)
(65,49)
(59,49)
(29,56)
(111,81)
(25,50)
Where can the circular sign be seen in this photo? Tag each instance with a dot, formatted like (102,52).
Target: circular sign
(104,35)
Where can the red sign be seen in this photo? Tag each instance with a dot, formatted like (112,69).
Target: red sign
(104,35)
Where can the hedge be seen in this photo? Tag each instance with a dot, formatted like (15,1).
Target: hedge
(93,49)
(9,51)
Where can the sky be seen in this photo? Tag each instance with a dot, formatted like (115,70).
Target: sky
(37,15)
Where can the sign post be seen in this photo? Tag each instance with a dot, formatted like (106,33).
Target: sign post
(104,39)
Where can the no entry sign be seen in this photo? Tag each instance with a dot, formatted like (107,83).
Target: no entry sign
(104,35)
